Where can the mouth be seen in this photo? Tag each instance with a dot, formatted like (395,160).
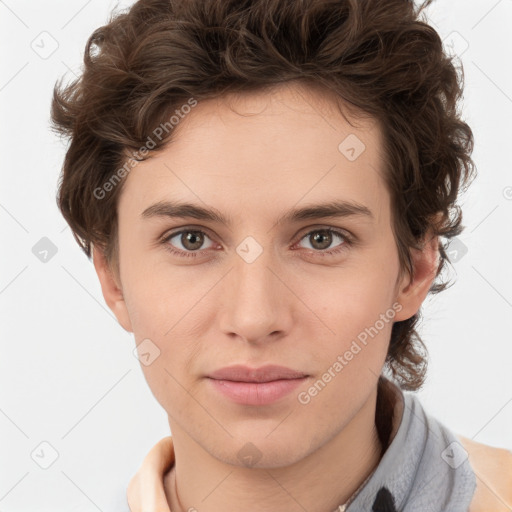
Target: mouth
(267,373)
(256,386)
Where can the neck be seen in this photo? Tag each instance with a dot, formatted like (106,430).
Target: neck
(321,481)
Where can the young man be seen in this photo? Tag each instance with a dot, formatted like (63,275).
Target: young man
(263,187)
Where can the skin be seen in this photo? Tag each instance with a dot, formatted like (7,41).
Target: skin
(253,157)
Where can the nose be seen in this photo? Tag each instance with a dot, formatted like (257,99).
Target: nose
(257,305)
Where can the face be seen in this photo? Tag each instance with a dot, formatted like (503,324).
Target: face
(317,292)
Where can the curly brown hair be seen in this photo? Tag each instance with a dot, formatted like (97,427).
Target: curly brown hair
(380,58)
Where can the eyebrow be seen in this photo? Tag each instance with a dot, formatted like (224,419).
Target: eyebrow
(169,209)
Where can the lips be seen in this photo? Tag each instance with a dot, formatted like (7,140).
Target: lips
(256,386)
(268,373)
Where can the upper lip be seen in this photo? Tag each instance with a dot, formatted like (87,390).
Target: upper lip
(267,373)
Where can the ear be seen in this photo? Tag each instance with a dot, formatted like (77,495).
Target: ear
(111,289)
(413,290)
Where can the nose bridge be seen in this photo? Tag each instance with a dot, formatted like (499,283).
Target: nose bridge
(252,294)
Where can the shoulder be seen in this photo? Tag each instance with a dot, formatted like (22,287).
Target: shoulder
(145,492)
(493,470)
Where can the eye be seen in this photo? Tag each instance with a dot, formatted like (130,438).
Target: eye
(320,239)
(191,241)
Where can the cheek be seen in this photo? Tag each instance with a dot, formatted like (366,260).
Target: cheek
(164,348)
(351,357)
(154,296)
(155,311)
(355,309)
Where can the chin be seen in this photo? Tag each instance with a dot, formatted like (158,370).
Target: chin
(261,452)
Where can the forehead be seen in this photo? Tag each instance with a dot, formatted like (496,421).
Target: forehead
(293,110)
(267,148)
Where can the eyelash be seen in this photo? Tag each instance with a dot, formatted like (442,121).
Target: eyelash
(347,242)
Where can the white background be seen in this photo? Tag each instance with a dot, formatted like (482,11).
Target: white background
(68,374)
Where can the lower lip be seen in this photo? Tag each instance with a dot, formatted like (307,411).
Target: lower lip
(256,393)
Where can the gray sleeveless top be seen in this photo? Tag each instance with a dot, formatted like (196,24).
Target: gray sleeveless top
(424,469)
